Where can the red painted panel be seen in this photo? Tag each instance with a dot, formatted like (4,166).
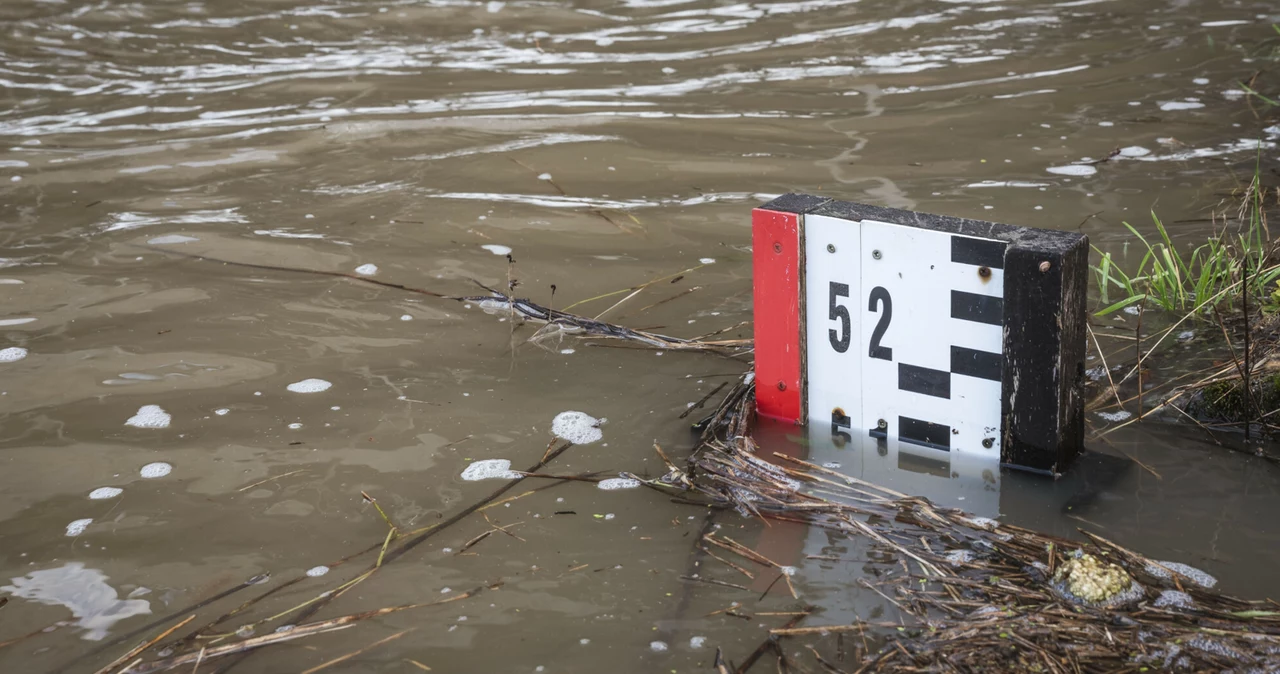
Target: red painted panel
(775,241)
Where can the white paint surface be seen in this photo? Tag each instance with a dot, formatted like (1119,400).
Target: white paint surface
(915,271)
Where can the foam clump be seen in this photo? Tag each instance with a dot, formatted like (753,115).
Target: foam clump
(309,386)
(1174,599)
(697,642)
(317,571)
(618,483)
(105,493)
(658,646)
(958,557)
(579,428)
(12,354)
(1191,573)
(497,249)
(77,527)
(367,269)
(150,416)
(490,469)
(984,523)
(154,470)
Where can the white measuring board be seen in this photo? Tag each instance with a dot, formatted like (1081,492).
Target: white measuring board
(902,341)
(957,336)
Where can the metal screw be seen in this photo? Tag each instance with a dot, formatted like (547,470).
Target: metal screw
(1044,266)
(777,247)
(831,248)
(875,254)
(988,442)
(882,424)
(984,272)
(782,386)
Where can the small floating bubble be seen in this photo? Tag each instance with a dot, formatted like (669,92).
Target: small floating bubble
(489,469)
(105,493)
(150,416)
(618,483)
(12,354)
(77,527)
(1072,170)
(579,428)
(154,470)
(317,571)
(309,386)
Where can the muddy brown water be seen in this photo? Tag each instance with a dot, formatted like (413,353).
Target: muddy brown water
(605,144)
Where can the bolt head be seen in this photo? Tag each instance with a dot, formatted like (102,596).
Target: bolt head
(831,248)
(782,386)
(1044,266)
(777,247)
(882,424)
(988,442)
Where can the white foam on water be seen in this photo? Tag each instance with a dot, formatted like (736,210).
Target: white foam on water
(1106,123)
(85,592)
(544,176)
(1192,573)
(707,260)
(579,428)
(406,317)
(1134,151)
(831,464)
(317,571)
(1008,183)
(1200,80)
(222,411)
(1170,106)
(12,354)
(77,527)
(697,642)
(10,282)
(497,249)
(309,386)
(295,425)
(567,351)
(367,269)
(15,321)
(150,416)
(618,483)
(1174,599)
(1118,415)
(105,493)
(171,238)
(489,469)
(658,646)
(154,470)
(1072,170)
(1228,22)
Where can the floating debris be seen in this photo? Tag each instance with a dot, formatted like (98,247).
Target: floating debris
(579,428)
(490,469)
(155,470)
(77,527)
(309,386)
(150,416)
(105,493)
(1088,579)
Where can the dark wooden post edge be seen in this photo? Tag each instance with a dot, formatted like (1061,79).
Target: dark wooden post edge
(1045,314)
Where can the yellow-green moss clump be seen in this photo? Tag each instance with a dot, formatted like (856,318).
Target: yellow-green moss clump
(1092,579)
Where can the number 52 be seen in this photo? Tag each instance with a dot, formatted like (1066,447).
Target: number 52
(838,312)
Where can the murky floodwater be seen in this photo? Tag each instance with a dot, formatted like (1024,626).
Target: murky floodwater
(605,144)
